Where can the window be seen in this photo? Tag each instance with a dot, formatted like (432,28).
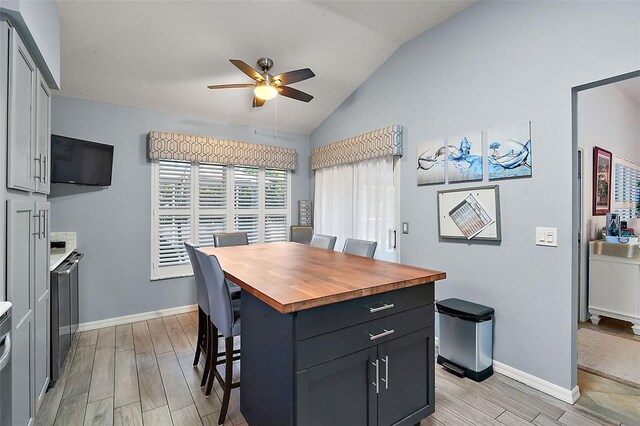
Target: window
(626,188)
(359,200)
(192,201)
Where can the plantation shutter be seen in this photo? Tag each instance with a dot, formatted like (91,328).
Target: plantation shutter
(626,189)
(174,215)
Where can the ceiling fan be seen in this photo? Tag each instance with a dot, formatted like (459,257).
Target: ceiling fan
(267,86)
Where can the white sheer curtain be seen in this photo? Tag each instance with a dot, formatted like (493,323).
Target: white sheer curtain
(357,201)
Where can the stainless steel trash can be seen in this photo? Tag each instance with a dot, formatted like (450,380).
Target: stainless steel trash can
(465,338)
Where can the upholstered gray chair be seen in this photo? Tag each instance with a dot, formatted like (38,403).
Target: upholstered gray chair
(360,247)
(326,242)
(227,239)
(225,318)
(203,307)
(301,234)
(203,304)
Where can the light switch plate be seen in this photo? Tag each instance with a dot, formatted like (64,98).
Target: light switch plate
(405,227)
(547,237)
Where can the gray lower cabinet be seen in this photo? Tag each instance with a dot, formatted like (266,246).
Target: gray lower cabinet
(363,362)
(379,386)
(27,289)
(42,329)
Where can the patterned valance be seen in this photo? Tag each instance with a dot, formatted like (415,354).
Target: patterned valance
(384,142)
(177,146)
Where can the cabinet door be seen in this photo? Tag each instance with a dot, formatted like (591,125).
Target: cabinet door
(339,392)
(20,291)
(43,136)
(407,375)
(42,297)
(21,114)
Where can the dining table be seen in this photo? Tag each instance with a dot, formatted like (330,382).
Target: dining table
(329,338)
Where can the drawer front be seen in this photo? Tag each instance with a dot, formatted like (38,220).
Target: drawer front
(324,319)
(326,347)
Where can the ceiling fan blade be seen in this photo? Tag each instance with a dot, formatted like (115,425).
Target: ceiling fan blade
(294,76)
(296,94)
(247,69)
(257,102)
(229,86)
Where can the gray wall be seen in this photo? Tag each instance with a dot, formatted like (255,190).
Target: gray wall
(497,63)
(113,224)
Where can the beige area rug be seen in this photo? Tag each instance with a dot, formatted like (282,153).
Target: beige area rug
(609,356)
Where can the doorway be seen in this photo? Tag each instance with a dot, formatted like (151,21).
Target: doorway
(606,130)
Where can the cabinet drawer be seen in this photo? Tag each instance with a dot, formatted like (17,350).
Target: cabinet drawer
(324,319)
(326,347)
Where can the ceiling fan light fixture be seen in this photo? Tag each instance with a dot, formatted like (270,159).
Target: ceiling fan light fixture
(265,91)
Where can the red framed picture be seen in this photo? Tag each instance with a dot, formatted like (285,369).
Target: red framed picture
(601,181)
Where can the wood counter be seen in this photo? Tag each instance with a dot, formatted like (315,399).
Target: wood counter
(291,277)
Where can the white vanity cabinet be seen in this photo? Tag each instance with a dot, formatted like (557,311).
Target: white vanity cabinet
(614,282)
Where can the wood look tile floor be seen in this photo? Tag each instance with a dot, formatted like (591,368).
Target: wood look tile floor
(141,374)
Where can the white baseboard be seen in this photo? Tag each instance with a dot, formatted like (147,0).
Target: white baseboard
(551,389)
(86,326)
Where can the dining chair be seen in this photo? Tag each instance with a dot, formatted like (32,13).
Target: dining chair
(225,318)
(326,242)
(203,308)
(301,234)
(203,303)
(360,247)
(227,239)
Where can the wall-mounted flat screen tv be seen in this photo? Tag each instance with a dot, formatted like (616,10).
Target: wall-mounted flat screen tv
(80,162)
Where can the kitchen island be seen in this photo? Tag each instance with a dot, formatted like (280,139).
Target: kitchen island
(331,338)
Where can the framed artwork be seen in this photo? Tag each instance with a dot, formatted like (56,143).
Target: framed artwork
(509,151)
(431,162)
(464,159)
(601,181)
(470,213)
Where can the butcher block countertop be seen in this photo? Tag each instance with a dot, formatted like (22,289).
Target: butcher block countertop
(291,277)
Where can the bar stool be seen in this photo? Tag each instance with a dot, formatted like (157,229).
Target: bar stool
(326,242)
(203,309)
(360,247)
(203,304)
(227,239)
(225,318)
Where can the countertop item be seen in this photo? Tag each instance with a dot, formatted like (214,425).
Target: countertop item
(4,307)
(290,277)
(56,256)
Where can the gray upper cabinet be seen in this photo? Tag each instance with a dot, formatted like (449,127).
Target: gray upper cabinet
(43,136)
(28,122)
(22,87)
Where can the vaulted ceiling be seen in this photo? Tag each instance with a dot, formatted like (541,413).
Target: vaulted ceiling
(161,55)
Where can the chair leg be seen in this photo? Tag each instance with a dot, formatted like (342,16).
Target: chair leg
(228,378)
(201,335)
(211,355)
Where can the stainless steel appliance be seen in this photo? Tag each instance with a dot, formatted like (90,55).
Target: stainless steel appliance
(64,312)
(5,369)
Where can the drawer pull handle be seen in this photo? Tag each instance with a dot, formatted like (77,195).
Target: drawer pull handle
(384,307)
(385,332)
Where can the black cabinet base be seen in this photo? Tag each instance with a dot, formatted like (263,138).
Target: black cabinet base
(476,376)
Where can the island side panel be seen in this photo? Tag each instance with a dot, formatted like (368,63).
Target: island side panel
(267,382)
